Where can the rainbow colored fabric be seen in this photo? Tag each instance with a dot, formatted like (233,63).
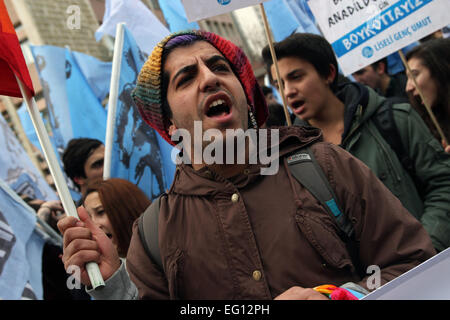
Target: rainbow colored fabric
(148,92)
(336,293)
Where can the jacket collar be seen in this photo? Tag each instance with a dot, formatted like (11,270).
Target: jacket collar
(205,181)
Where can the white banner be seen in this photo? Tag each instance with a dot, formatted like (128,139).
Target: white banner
(202,9)
(427,281)
(364,31)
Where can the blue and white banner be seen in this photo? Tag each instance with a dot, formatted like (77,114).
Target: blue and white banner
(202,9)
(139,154)
(17,169)
(364,31)
(20,249)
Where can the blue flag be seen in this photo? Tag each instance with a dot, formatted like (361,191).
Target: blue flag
(175,15)
(139,154)
(87,115)
(304,16)
(145,26)
(289,16)
(73,84)
(21,247)
(17,169)
(27,125)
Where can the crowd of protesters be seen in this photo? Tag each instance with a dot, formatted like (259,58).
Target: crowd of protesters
(224,232)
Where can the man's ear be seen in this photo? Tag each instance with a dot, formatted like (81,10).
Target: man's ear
(381,68)
(332,75)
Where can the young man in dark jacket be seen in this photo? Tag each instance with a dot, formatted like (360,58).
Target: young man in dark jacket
(225,230)
(346,114)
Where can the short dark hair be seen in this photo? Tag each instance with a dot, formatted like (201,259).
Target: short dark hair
(307,46)
(384,60)
(266,90)
(277,116)
(75,156)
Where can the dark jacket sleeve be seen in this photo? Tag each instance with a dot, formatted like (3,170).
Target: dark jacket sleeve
(432,172)
(388,236)
(150,282)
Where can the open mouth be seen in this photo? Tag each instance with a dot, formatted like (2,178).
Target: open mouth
(218,108)
(298,106)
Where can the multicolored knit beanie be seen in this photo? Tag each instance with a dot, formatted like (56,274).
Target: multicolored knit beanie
(148,92)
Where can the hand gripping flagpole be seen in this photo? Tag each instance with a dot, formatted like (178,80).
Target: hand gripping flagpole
(113,97)
(56,172)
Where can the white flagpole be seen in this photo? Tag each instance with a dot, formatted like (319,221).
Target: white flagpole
(56,172)
(113,97)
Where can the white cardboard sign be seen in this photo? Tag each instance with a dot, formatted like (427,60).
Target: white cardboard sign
(428,281)
(364,31)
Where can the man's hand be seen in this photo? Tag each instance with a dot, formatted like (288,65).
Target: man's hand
(299,293)
(85,242)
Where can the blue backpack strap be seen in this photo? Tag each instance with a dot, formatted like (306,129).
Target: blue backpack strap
(306,170)
(148,232)
(304,167)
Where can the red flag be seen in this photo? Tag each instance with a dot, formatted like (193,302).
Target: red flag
(12,61)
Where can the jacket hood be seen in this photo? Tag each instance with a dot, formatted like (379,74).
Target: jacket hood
(148,92)
(352,95)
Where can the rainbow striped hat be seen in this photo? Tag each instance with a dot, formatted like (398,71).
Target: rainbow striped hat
(148,92)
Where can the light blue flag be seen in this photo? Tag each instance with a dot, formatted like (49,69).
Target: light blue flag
(87,115)
(96,73)
(28,127)
(175,16)
(303,14)
(138,155)
(282,21)
(17,169)
(50,62)
(289,16)
(21,247)
(143,24)
(74,84)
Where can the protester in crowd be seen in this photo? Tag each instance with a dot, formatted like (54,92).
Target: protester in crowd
(51,212)
(268,94)
(377,77)
(226,231)
(416,169)
(276,115)
(83,161)
(113,205)
(430,66)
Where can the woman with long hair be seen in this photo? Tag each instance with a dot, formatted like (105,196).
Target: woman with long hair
(430,66)
(113,205)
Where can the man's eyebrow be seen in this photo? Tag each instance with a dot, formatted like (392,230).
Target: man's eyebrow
(290,74)
(216,58)
(186,69)
(190,68)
